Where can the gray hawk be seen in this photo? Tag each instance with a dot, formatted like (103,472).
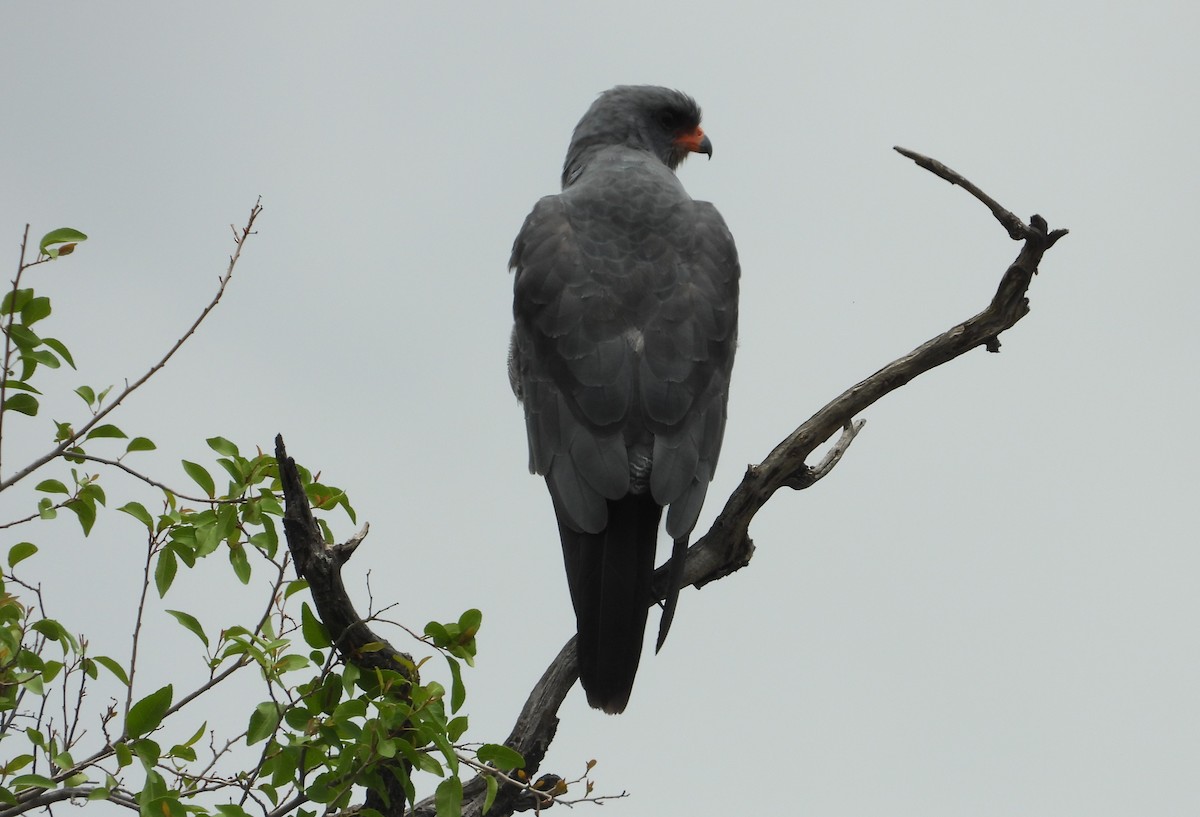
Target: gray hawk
(625,309)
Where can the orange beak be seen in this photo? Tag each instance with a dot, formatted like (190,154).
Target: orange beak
(695,142)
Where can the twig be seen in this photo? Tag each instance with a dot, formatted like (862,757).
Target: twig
(240,238)
(8,342)
(1017,229)
(149,481)
(137,621)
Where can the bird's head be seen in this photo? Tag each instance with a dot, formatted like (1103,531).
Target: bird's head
(659,120)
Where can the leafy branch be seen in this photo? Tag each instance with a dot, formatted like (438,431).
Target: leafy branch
(64,445)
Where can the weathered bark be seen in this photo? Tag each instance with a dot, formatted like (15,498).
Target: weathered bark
(321,566)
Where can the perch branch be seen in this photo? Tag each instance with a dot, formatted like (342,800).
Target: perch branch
(727,546)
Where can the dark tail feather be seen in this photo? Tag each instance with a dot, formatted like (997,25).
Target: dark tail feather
(674,580)
(609,575)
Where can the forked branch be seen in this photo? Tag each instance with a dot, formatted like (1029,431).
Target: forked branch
(727,546)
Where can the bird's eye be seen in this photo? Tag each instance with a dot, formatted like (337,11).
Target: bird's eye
(670,120)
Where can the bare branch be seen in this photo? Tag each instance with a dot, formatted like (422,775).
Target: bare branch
(321,566)
(727,546)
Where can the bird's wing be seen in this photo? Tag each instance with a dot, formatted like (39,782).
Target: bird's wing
(623,343)
(575,370)
(689,347)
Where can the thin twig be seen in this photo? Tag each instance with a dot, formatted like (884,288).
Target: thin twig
(149,481)
(240,238)
(36,515)
(8,342)
(138,618)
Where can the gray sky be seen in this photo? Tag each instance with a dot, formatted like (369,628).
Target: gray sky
(989,608)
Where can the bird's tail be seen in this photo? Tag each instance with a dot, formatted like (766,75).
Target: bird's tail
(609,575)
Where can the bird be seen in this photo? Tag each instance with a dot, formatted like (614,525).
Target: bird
(625,308)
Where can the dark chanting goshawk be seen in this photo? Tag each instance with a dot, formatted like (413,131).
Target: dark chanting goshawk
(625,307)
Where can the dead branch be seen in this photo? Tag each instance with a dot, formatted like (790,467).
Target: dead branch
(321,566)
(727,546)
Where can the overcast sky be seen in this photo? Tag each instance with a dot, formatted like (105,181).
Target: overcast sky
(990,607)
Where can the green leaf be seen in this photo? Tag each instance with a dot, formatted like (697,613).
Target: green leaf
(140,444)
(138,511)
(458,692)
(164,571)
(439,740)
(92,492)
(290,663)
(469,621)
(148,751)
(314,631)
(145,715)
(502,757)
(438,632)
(241,565)
(449,798)
(87,394)
(113,667)
(24,403)
(222,446)
(456,728)
(52,630)
(16,764)
(124,754)
(201,477)
(47,359)
(231,810)
(428,763)
(31,781)
(14,301)
(155,787)
(25,339)
(190,622)
(106,430)
(490,797)
(35,310)
(58,346)
(51,486)
(199,733)
(20,552)
(182,753)
(86,511)
(62,235)
(46,509)
(263,722)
